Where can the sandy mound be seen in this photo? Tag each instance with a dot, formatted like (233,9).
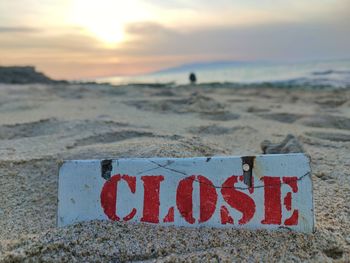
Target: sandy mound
(91,121)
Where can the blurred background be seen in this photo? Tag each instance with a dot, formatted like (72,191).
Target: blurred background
(125,41)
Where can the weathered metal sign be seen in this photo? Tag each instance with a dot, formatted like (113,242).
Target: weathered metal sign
(255,192)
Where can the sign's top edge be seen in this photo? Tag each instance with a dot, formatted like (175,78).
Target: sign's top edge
(186,158)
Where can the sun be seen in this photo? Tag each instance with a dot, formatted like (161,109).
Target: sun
(106,19)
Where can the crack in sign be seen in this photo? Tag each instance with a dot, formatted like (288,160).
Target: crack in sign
(152,169)
(185,175)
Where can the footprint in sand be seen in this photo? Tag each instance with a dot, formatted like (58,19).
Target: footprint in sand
(29,129)
(53,126)
(327,121)
(15,106)
(334,252)
(319,121)
(117,136)
(195,103)
(281,117)
(335,137)
(165,93)
(330,102)
(220,116)
(218,130)
(110,137)
(254,109)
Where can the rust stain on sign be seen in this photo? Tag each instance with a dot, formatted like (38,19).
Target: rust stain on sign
(258,170)
(248,165)
(106,169)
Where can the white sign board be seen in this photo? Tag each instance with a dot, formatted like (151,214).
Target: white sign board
(253,192)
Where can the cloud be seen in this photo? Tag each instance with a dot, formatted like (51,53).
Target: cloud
(70,52)
(18,29)
(271,41)
(53,39)
(73,54)
(147,28)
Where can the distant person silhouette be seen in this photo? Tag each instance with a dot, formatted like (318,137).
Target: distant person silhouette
(192,78)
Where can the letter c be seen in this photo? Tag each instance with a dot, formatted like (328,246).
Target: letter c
(109,196)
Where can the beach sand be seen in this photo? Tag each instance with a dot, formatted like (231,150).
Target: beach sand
(42,124)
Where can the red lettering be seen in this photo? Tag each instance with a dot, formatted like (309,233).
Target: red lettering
(238,200)
(293,183)
(208,198)
(288,201)
(272,200)
(151,201)
(234,198)
(225,216)
(184,199)
(109,196)
(170,216)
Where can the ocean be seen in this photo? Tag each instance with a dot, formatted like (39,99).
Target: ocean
(330,73)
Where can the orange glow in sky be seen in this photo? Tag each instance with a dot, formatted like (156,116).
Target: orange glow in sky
(75,39)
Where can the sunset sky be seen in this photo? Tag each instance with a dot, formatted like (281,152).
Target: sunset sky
(76,39)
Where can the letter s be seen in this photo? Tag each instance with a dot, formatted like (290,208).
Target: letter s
(237,200)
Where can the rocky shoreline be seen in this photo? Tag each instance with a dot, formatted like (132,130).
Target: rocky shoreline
(24,75)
